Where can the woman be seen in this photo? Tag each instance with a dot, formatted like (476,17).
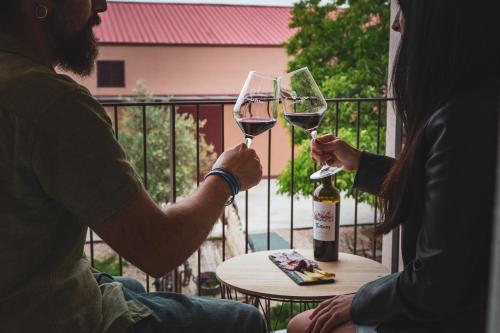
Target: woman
(440,189)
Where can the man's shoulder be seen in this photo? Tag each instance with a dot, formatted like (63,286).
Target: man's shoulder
(33,90)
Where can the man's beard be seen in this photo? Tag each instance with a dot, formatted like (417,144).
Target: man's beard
(73,52)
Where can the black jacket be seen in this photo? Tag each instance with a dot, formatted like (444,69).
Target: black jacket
(446,243)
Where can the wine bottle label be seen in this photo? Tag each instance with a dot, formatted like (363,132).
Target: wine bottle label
(324,221)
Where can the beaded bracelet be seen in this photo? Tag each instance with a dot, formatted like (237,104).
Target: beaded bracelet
(230,179)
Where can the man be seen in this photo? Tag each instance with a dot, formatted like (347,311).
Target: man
(61,170)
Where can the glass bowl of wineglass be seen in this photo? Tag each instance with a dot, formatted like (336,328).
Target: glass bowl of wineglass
(304,106)
(256,109)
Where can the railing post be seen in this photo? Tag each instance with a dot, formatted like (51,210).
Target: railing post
(223,217)
(173,184)
(145,164)
(292,182)
(198,179)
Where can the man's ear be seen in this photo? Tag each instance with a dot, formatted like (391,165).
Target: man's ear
(37,9)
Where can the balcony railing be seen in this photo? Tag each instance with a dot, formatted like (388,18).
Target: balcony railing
(349,109)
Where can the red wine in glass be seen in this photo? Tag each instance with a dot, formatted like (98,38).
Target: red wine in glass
(304,107)
(255,126)
(308,121)
(256,109)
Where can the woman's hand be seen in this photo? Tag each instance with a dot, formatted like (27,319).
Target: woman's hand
(330,314)
(335,152)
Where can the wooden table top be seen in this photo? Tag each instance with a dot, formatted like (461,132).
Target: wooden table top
(254,274)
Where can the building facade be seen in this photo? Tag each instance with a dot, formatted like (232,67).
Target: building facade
(184,51)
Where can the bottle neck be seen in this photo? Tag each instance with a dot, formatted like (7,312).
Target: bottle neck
(327,182)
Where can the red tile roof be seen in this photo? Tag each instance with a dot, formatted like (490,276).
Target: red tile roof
(194,24)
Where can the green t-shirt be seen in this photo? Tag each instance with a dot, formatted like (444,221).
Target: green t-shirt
(61,169)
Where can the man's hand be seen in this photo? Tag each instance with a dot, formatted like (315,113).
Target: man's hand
(243,163)
(330,314)
(335,152)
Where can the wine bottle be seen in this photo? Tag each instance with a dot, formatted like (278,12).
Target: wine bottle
(326,207)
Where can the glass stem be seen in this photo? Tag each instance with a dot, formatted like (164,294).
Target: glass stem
(248,141)
(314,135)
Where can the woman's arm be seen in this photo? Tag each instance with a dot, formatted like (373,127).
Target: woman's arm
(372,169)
(453,246)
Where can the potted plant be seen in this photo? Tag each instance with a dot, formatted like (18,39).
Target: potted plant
(209,285)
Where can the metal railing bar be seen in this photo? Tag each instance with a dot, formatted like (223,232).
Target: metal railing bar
(246,221)
(356,192)
(269,185)
(115,108)
(375,217)
(145,147)
(117,136)
(246,197)
(173,167)
(224,211)
(337,205)
(176,103)
(292,184)
(360,100)
(145,162)
(337,117)
(197,145)
(379,124)
(173,180)
(346,225)
(337,114)
(228,101)
(269,190)
(92,261)
(198,281)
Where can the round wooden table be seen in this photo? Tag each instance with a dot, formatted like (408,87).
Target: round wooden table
(257,276)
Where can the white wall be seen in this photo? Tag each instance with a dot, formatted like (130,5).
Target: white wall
(391,132)
(494,313)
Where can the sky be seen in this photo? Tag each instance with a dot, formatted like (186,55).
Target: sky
(230,2)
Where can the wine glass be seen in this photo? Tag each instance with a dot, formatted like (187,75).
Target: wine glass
(304,106)
(256,109)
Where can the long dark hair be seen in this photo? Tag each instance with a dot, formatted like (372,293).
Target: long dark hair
(447,47)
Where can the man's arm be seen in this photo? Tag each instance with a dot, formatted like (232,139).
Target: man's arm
(90,177)
(157,241)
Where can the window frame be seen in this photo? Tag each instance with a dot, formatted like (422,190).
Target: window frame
(111,78)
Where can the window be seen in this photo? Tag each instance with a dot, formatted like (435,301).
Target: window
(110,74)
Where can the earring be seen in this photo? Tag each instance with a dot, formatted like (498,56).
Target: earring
(41,12)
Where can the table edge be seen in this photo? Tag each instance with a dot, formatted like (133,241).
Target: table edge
(282,297)
(274,296)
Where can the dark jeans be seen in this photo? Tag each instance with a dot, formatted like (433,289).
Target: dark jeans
(176,313)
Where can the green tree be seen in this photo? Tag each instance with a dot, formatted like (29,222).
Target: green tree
(110,265)
(346,50)
(158,147)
